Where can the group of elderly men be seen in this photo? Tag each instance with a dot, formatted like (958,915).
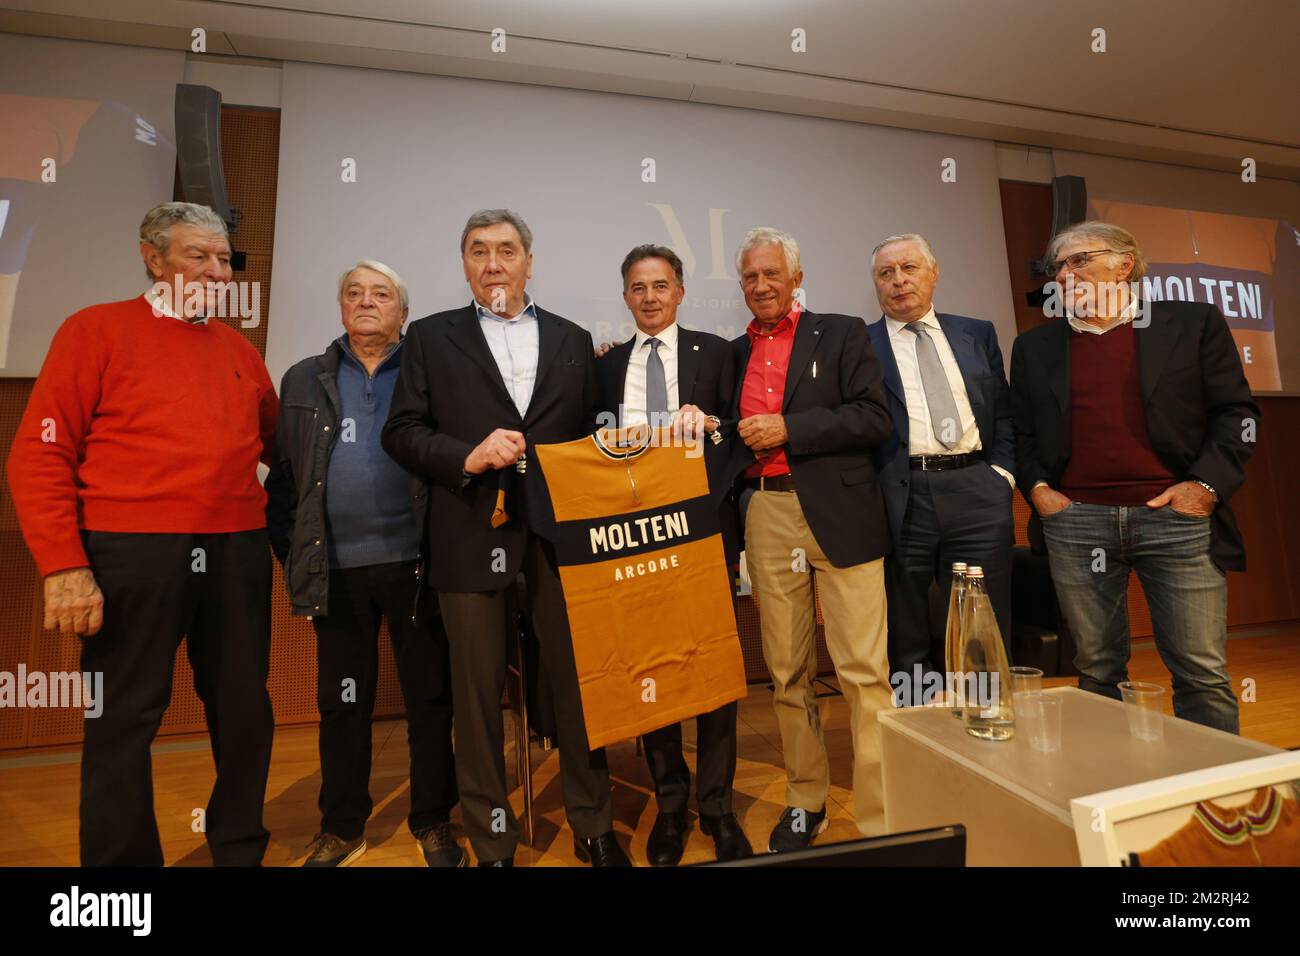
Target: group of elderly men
(874,456)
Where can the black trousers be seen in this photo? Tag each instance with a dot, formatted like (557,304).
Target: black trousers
(715,747)
(214,590)
(958,515)
(477,632)
(347,652)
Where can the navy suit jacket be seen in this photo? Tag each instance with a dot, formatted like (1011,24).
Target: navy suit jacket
(834,419)
(706,378)
(974,343)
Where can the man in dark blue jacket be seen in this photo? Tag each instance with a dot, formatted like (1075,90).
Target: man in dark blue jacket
(346,522)
(946,472)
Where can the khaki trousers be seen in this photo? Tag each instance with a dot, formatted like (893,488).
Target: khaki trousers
(783,557)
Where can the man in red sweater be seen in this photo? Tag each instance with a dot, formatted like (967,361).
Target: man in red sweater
(1133,424)
(134,477)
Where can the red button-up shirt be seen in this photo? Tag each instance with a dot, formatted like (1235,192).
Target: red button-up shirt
(764,388)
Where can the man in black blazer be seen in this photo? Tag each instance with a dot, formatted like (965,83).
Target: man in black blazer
(479,386)
(947,469)
(811,403)
(1133,425)
(671,375)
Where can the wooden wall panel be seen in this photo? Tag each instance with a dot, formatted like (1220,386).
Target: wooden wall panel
(19,584)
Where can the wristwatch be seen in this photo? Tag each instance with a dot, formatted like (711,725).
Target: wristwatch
(715,435)
(1208,487)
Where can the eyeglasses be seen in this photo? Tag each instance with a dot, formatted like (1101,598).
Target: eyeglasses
(1077,260)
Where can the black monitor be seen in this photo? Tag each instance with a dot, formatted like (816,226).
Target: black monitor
(940,846)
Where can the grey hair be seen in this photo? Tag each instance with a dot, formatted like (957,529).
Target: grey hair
(490,217)
(157,224)
(386,271)
(1115,238)
(907,237)
(765,235)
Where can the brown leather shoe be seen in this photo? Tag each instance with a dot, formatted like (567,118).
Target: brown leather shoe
(439,848)
(330,850)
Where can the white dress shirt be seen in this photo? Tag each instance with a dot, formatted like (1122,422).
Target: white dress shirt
(634,398)
(514,343)
(160,304)
(921,439)
(1127,315)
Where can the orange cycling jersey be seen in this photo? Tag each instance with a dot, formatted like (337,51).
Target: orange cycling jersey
(1265,832)
(637,541)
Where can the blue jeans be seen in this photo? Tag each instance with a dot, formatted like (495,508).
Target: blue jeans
(1092,548)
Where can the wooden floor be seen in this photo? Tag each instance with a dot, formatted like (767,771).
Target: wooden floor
(38,789)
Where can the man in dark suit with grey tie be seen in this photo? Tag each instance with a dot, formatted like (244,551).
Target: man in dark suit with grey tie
(669,375)
(947,471)
(479,387)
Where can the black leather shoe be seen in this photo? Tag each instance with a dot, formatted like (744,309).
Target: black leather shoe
(796,829)
(668,838)
(602,851)
(728,838)
(505,862)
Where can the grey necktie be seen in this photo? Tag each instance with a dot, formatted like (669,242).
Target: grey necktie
(656,383)
(938,394)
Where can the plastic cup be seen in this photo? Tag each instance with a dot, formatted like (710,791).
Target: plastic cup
(1038,720)
(1026,679)
(1144,703)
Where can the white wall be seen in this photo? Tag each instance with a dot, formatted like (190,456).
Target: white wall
(240,84)
(104,114)
(432,150)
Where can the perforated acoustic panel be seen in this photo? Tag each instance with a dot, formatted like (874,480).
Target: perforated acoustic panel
(250,154)
(751,641)
(18,579)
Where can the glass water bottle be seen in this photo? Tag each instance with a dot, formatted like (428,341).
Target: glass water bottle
(952,637)
(987,710)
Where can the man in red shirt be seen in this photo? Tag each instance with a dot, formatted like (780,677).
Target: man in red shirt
(134,477)
(812,407)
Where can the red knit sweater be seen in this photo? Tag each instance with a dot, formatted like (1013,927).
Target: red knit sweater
(140,423)
(1112,461)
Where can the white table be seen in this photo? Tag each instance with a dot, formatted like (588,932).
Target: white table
(1015,801)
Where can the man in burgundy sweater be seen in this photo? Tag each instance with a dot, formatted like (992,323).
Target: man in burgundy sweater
(1133,424)
(134,476)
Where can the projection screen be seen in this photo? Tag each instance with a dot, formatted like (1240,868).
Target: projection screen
(428,151)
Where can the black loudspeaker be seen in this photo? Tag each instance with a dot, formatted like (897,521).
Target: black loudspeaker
(198,149)
(1069,201)
(1069,205)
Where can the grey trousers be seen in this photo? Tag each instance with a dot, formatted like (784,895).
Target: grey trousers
(477,634)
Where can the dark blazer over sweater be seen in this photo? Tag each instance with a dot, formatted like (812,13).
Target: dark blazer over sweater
(1198,408)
